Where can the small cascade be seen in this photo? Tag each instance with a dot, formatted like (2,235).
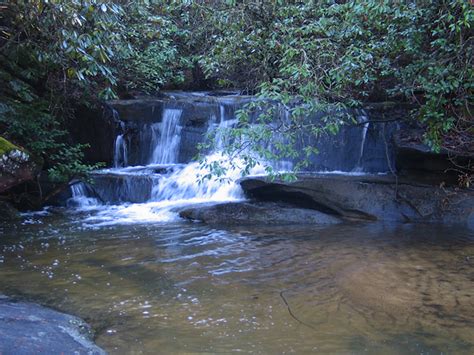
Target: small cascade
(120,152)
(190,183)
(120,146)
(166,137)
(222,129)
(362,119)
(283,117)
(171,189)
(81,196)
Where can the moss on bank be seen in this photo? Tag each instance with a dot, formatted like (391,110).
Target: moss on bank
(6,146)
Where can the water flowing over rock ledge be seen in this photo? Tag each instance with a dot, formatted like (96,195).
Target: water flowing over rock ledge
(365,146)
(154,174)
(28,328)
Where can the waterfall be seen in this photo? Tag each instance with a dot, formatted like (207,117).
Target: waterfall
(147,183)
(81,197)
(120,152)
(120,146)
(162,184)
(166,137)
(284,116)
(365,120)
(222,129)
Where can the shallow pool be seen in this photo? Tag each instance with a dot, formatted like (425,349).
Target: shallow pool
(185,287)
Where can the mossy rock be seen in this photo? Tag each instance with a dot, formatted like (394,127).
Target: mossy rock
(6,146)
(16,165)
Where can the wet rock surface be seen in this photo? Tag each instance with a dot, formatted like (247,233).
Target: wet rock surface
(28,328)
(96,127)
(365,145)
(247,213)
(369,197)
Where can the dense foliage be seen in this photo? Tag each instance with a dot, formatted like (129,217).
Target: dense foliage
(323,55)
(52,54)
(344,53)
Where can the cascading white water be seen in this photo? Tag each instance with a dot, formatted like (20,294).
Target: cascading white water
(222,129)
(120,152)
(191,183)
(120,146)
(365,120)
(181,186)
(166,137)
(80,197)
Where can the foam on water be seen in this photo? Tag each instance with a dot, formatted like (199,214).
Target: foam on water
(191,182)
(185,186)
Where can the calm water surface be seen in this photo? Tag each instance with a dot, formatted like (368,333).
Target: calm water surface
(183,287)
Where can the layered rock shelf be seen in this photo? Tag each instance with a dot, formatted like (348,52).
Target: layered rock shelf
(368,197)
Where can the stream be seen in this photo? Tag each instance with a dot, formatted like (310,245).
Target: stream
(184,287)
(118,256)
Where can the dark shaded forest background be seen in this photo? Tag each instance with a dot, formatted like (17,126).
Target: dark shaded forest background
(57,56)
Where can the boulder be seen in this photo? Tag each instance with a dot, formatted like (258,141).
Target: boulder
(369,197)
(248,213)
(16,165)
(28,328)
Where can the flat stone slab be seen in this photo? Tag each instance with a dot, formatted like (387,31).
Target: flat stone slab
(28,328)
(369,197)
(247,213)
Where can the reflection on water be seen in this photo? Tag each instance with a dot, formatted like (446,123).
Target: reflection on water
(184,287)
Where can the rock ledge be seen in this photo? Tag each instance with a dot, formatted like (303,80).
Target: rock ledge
(28,328)
(248,213)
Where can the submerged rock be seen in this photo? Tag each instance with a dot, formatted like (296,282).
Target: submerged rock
(369,197)
(398,293)
(28,328)
(245,213)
